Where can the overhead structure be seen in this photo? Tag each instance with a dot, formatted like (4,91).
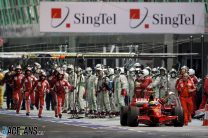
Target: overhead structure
(91,55)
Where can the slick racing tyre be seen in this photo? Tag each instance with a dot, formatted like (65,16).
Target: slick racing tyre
(132,117)
(123,115)
(178,111)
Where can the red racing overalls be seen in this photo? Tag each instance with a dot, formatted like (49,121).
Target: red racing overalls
(52,81)
(205,95)
(41,86)
(59,89)
(193,94)
(138,89)
(186,99)
(144,85)
(28,83)
(17,91)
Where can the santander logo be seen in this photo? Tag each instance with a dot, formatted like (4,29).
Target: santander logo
(137,18)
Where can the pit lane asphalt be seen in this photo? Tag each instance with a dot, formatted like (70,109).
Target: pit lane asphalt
(58,130)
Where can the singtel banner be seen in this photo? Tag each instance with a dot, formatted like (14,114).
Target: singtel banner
(122,17)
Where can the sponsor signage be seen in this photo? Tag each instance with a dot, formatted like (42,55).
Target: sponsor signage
(122,17)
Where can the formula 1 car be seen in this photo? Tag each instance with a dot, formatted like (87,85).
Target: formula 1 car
(153,112)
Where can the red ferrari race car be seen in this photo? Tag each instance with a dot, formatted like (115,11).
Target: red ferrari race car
(153,112)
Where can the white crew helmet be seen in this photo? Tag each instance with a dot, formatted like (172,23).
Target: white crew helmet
(122,70)
(184,67)
(64,67)
(137,65)
(55,66)
(43,74)
(18,67)
(145,72)
(88,71)
(164,69)
(138,71)
(117,71)
(37,65)
(155,71)
(58,69)
(191,72)
(79,71)
(99,70)
(173,71)
(98,67)
(111,71)
(70,68)
(61,72)
(148,68)
(132,71)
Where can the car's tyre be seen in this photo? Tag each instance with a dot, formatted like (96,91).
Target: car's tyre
(178,111)
(123,115)
(132,117)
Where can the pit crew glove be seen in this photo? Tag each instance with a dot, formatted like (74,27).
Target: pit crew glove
(123,92)
(72,88)
(162,101)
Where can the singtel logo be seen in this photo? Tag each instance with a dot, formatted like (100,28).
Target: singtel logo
(158,19)
(59,17)
(135,15)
